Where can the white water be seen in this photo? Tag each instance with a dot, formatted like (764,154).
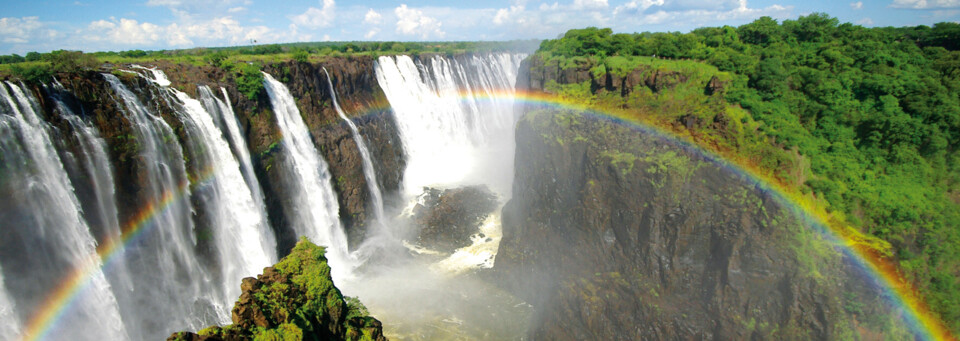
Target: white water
(101,214)
(57,241)
(316,211)
(225,118)
(170,281)
(9,322)
(241,236)
(369,173)
(456,123)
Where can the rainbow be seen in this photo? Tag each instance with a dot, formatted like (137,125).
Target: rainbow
(58,301)
(874,263)
(862,251)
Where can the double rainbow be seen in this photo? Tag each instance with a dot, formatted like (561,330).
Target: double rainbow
(899,292)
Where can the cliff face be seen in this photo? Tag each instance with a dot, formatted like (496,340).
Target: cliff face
(614,233)
(353,78)
(294,300)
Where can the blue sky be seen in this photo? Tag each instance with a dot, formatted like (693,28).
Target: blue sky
(88,25)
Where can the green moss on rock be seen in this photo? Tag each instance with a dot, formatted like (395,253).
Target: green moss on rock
(294,300)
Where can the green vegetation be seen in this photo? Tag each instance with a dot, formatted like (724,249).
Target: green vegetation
(864,121)
(37,66)
(296,300)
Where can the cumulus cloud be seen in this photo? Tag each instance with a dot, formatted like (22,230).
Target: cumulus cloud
(856,5)
(925,4)
(372,17)
(412,21)
(509,15)
(129,33)
(865,22)
(316,17)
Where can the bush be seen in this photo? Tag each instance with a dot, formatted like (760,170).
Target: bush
(249,80)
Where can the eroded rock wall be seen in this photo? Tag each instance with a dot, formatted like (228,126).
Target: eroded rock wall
(617,233)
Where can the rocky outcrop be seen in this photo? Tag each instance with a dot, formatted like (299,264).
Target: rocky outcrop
(294,300)
(536,73)
(447,218)
(615,233)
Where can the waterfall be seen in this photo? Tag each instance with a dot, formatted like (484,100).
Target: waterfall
(455,118)
(46,240)
(225,118)
(369,173)
(9,322)
(316,211)
(233,220)
(170,281)
(94,178)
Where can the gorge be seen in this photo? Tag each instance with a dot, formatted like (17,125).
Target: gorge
(137,199)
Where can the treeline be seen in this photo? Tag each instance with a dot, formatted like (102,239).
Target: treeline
(876,112)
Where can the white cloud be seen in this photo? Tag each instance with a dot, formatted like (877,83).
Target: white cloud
(236,9)
(689,12)
(925,4)
(865,22)
(509,15)
(413,22)
(639,6)
(129,33)
(372,17)
(371,33)
(25,30)
(856,5)
(316,17)
(590,4)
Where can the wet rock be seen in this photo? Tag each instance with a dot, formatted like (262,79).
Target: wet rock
(447,218)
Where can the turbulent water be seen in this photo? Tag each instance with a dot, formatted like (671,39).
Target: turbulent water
(194,220)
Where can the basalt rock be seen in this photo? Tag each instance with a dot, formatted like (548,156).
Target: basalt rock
(447,218)
(615,233)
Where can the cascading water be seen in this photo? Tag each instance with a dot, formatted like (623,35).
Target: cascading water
(455,118)
(456,122)
(316,211)
(9,322)
(369,173)
(93,177)
(170,281)
(225,118)
(241,238)
(47,238)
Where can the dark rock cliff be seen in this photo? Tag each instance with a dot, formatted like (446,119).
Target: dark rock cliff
(89,95)
(616,233)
